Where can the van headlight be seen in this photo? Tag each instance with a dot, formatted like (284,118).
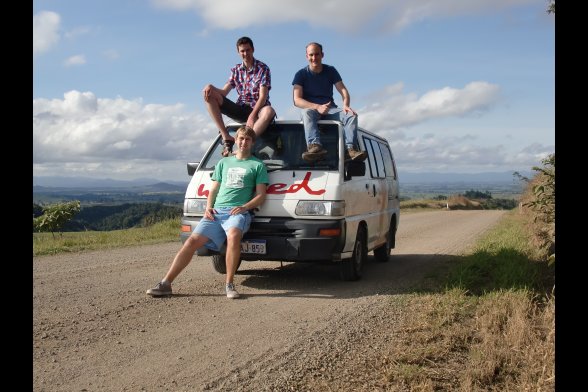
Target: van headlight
(195,206)
(320,208)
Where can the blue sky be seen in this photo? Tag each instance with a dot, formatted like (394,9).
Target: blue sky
(454,85)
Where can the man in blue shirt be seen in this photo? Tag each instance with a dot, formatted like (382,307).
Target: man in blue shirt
(313,93)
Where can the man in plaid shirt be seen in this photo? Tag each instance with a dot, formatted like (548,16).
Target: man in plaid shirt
(252,80)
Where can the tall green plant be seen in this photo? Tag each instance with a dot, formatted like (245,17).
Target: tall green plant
(542,204)
(55,216)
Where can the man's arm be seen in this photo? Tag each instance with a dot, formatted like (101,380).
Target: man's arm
(340,86)
(209,212)
(304,104)
(263,93)
(258,199)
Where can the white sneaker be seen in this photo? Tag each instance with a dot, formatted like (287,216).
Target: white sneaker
(231,292)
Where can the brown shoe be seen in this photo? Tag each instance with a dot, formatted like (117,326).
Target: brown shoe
(314,152)
(315,148)
(356,155)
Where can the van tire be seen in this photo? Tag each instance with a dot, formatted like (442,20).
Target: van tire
(382,253)
(352,268)
(220,265)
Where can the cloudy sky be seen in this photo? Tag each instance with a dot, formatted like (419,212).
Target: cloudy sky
(454,85)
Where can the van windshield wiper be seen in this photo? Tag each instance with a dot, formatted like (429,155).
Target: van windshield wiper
(273,165)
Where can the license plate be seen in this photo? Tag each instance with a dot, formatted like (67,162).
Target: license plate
(253,246)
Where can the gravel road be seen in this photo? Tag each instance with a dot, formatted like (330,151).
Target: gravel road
(296,326)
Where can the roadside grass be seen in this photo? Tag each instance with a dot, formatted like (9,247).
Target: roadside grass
(47,244)
(488,326)
(417,205)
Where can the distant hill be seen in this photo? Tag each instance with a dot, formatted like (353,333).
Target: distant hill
(160,187)
(102,183)
(470,178)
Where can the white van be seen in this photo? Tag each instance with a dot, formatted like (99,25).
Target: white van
(330,210)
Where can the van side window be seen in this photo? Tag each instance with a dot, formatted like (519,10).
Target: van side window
(388,161)
(376,163)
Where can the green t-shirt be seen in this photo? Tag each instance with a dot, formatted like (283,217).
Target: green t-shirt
(238,179)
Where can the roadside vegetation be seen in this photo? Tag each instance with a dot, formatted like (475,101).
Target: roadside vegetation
(469,200)
(487,321)
(47,244)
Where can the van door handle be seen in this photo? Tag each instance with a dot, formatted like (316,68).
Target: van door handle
(374,187)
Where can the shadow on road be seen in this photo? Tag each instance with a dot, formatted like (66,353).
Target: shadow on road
(406,273)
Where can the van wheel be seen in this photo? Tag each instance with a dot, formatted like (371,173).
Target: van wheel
(351,269)
(381,254)
(220,265)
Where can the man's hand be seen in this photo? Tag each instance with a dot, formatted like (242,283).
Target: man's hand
(209,213)
(324,108)
(348,109)
(238,210)
(206,92)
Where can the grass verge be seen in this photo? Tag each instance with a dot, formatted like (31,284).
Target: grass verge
(489,327)
(47,244)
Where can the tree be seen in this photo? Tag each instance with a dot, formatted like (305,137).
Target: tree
(55,216)
(551,7)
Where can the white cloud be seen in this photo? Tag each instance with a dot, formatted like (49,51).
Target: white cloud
(393,109)
(82,134)
(45,31)
(78,59)
(382,15)
(81,129)
(436,153)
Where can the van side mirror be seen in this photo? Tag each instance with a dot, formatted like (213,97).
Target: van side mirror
(353,169)
(192,166)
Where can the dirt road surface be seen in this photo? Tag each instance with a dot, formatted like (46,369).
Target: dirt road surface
(296,326)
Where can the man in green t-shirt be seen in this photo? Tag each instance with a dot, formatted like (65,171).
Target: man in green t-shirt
(239,184)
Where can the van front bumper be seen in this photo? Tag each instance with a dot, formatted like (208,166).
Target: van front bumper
(288,239)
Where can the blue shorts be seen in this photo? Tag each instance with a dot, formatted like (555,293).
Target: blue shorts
(217,230)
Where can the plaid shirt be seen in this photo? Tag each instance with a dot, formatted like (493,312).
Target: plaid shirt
(248,82)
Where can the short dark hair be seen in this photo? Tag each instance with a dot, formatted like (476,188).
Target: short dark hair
(317,44)
(245,41)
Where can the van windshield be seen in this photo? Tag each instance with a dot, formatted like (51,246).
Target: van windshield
(281,146)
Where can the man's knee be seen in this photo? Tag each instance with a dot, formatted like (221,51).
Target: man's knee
(310,114)
(195,241)
(233,235)
(267,113)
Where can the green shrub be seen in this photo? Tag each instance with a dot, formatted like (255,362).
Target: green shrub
(55,216)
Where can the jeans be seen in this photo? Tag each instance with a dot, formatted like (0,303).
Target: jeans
(310,118)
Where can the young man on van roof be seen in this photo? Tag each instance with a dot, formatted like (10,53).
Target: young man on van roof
(252,80)
(239,184)
(313,93)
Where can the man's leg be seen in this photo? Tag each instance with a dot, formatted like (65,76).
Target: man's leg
(184,256)
(265,116)
(213,104)
(310,119)
(233,253)
(349,121)
(181,260)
